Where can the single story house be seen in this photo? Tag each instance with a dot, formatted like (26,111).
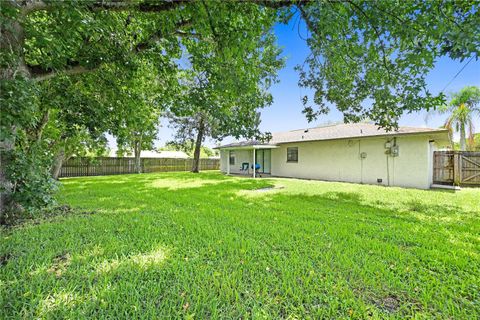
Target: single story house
(358,153)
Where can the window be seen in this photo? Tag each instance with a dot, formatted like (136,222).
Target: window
(232,157)
(292,154)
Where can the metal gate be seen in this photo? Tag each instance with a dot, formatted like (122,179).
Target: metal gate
(456,168)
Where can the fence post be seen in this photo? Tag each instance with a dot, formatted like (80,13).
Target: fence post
(457,169)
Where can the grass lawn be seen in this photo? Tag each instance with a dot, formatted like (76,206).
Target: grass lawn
(179,245)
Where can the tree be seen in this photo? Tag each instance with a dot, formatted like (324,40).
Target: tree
(77,115)
(223,89)
(207,109)
(463,107)
(142,98)
(188,147)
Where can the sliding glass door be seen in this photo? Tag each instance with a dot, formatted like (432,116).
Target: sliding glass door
(263,158)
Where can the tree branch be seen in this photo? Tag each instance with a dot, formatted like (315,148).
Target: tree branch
(72,68)
(39,74)
(314,29)
(31,6)
(166,5)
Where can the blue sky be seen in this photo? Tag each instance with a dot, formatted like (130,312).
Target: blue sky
(286,111)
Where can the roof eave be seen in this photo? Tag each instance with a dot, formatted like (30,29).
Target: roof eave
(445,131)
(251,147)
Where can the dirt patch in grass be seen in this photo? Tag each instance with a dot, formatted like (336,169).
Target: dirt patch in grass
(60,264)
(268,189)
(389,303)
(5,258)
(43,216)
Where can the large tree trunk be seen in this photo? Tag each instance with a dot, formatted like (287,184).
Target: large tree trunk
(58,163)
(11,41)
(6,186)
(463,137)
(198,146)
(137,151)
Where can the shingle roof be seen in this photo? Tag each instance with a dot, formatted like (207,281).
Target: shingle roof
(337,131)
(244,144)
(344,131)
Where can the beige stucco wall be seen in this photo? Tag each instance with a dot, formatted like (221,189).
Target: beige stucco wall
(339,160)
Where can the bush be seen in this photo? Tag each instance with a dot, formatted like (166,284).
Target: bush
(32,185)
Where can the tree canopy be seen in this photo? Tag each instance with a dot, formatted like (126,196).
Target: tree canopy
(370,59)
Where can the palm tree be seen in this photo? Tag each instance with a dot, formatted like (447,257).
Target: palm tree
(463,107)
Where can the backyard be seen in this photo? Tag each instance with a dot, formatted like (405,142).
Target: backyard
(211,246)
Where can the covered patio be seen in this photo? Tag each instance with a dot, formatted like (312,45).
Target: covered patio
(248,158)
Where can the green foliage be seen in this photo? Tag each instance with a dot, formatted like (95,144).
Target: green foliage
(19,103)
(476,142)
(139,101)
(77,115)
(179,245)
(33,186)
(26,167)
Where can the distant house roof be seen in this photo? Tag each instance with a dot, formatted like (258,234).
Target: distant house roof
(334,132)
(173,154)
(155,154)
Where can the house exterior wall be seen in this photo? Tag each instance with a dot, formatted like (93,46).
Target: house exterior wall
(340,160)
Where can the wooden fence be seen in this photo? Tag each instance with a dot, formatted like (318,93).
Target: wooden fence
(456,168)
(100,166)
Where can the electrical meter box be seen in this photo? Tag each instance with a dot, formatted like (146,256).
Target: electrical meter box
(395,151)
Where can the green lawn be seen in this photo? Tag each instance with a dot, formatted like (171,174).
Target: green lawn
(209,246)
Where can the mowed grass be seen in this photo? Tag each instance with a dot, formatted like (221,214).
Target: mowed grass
(180,245)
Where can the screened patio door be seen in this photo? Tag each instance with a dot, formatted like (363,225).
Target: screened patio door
(263,158)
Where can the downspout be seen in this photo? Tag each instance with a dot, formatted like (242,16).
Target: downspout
(254,164)
(361,160)
(388,172)
(393,162)
(228,161)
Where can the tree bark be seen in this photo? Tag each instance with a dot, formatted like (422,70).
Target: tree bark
(137,151)
(58,163)
(463,138)
(198,146)
(11,41)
